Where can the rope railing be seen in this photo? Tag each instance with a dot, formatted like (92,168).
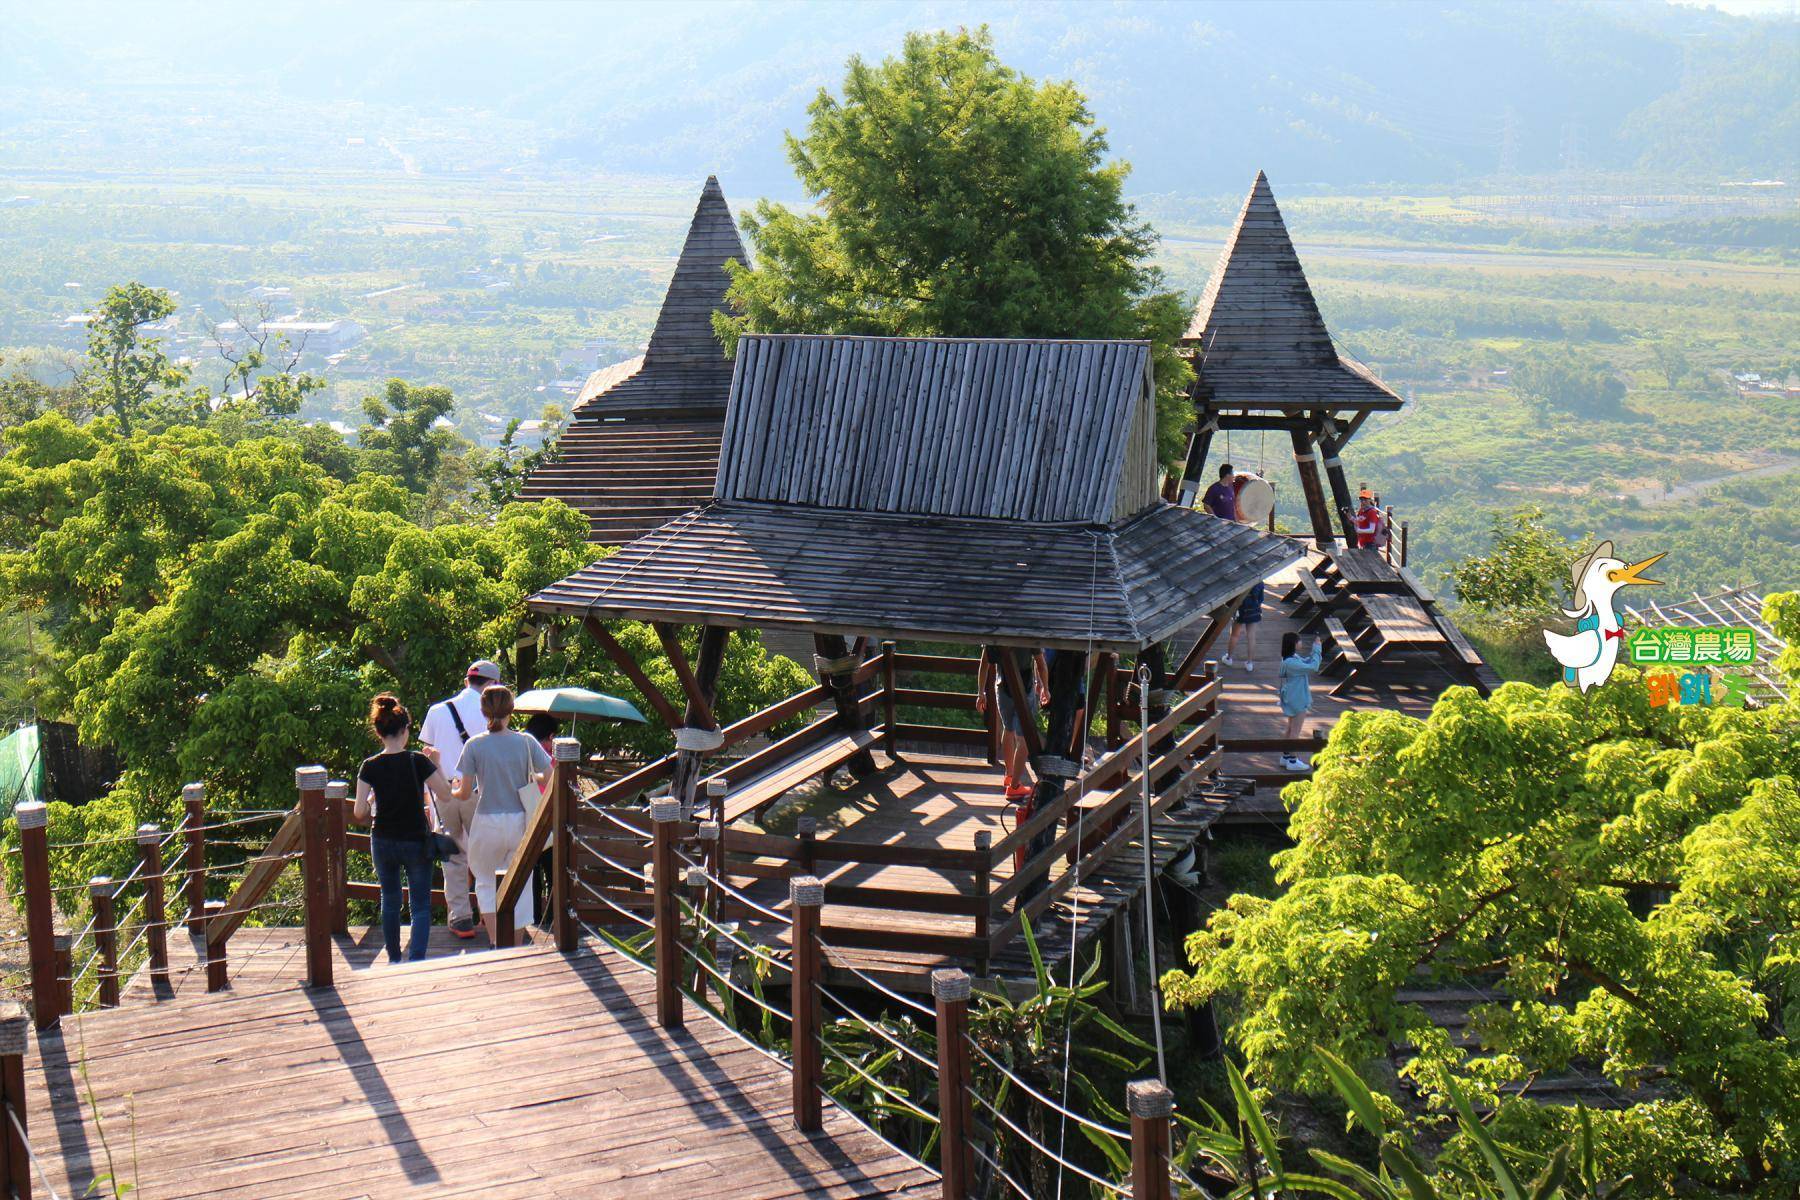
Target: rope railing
(1000,1172)
(1062,1110)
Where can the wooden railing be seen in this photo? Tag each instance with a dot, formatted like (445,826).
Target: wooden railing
(1096,817)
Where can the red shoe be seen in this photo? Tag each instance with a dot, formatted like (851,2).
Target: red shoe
(463,929)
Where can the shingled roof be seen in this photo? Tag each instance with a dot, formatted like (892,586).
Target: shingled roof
(644,442)
(973,490)
(1259,339)
(684,369)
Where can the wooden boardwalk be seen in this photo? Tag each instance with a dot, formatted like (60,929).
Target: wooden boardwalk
(513,1073)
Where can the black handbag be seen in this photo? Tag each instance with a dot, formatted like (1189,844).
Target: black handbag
(443,846)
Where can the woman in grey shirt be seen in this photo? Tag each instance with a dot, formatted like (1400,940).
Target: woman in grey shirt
(496,765)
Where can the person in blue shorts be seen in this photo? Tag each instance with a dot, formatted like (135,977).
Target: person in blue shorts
(1243,625)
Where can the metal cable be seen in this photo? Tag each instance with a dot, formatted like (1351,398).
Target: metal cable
(760,952)
(1096,1126)
(740,897)
(710,969)
(12,1115)
(998,1170)
(879,1086)
(1048,1153)
(610,903)
(879,1030)
(890,993)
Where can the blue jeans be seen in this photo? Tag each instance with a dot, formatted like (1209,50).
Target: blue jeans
(392,856)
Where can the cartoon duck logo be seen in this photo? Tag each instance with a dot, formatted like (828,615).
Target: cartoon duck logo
(1590,653)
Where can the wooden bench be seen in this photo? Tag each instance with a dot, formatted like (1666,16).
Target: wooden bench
(1424,594)
(756,795)
(1347,654)
(1397,625)
(1474,668)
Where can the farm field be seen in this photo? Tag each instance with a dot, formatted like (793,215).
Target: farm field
(505,286)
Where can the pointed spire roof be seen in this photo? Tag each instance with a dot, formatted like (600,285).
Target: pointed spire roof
(684,368)
(1259,338)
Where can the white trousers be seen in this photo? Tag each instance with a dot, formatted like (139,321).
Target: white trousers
(493,839)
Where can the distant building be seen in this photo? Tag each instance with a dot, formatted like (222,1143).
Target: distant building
(317,337)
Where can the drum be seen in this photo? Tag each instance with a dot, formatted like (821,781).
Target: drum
(1255,499)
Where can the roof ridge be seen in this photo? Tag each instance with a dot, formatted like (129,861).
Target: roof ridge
(1259,263)
(683,327)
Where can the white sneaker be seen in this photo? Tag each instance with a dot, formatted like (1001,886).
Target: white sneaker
(1227,659)
(1291,762)
(1249,667)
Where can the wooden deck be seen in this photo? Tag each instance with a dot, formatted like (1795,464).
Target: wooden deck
(514,1073)
(1252,710)
(941,802)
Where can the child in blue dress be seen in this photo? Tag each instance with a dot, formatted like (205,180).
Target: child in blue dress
(1299,663)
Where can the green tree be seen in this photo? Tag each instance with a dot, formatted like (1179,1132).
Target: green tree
(1524,571)
(1556,379)
(403,434)
(1671,360)
(127,374)
(1623,880)
(956,197)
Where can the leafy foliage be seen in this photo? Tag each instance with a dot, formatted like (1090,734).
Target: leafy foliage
(1619,878)
(956,197)
(1524,572)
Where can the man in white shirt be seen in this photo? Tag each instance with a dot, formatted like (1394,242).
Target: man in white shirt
(449,724)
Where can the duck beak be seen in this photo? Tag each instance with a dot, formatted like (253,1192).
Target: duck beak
(1632,574)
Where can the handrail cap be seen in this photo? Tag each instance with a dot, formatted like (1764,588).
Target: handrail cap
(950,985)
(310,779)
(565,749)
(192,792)
(148,834)
(806,891)
(33,814)
(12,1028)
(1149,1099)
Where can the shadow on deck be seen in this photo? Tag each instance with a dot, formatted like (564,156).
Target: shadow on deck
(517,1073)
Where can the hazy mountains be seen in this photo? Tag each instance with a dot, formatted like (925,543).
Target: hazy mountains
(1195,95)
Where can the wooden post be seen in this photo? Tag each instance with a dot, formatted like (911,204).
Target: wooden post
(806,831)
(836,664)
(664,813)
(193,798)
(1150,1105)
(1306,462)
(712,833)
(567,752)
(40,911)
(984,889)
(62,953)
(15,1158)
(218,969)
(504,932)
(808,896)
(106,938)
(155,907)
(315,864)
(889,741)
(1403,532)
(950,988)
(337,871)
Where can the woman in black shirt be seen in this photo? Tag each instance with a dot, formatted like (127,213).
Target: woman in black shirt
(395,781)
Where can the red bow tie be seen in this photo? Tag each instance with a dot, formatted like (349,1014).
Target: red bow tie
(1614,633)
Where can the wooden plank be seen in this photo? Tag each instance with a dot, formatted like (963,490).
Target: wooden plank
(258,878)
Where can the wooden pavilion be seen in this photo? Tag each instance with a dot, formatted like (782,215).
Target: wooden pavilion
(981,492)
(1264,361)
(643,440)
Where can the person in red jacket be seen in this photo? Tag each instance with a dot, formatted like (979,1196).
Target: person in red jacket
(1371,533)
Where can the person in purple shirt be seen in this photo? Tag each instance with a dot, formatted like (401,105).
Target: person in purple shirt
(1221,498)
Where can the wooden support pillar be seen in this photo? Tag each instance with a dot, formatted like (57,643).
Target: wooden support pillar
(890,741)
(1216,624)
(1306,462)
(666,910)
(505,932)
(62,953)
(15,1157)
(40,912)
(102,896)
(698,734)
(1150,1105)
(337,842)
(193,857)
(808,897)
(218,967)
(567,752)
(1054,769)
(984,890)
(1199,446)
(156,934)
(836,665)
(621,658)
(315,869)
(951,990)
(1340,492)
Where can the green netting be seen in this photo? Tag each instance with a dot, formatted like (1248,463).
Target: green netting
(21,769)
